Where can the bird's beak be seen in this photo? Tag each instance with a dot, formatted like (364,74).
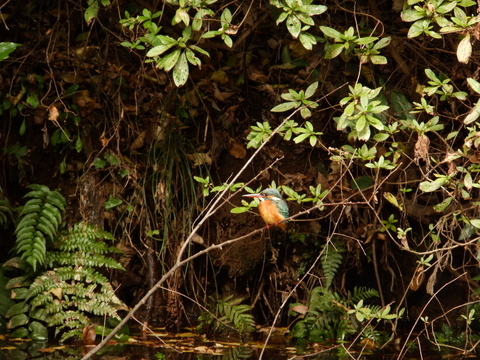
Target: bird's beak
(252,195)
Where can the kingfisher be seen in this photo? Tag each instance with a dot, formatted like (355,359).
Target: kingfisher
(273,209)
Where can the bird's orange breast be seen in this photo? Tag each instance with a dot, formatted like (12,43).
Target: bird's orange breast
(270,214)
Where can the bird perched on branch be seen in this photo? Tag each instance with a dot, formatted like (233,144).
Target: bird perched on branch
(273,209)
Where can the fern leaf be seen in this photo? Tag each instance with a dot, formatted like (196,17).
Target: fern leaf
(39,222)
(331,260)
(6,212)
(362,293)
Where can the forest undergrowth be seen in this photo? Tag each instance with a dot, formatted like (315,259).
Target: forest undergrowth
(146,123)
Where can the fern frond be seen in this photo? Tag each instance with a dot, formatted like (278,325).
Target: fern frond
(237,315)
(331,260)
(84,241)
(362,293)
(39,222)
(6,212)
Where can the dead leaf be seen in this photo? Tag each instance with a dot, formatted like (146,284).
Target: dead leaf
(220,77)
(53,113)
(431,282)
(139,141)
(301,309)
(198,239)
(257,75)
(404,242)
(72,78)
(83,100)
(104,140)
(221,95)
(237,150)
(418,278)
(57,292)
(200,158)
(421,148)
(475,157)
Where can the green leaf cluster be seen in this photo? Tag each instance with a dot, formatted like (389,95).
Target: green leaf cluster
(297,100)
(362,112)
(434,18)
(297,15)
(366,48)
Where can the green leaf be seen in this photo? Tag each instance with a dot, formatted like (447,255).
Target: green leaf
(332,33)
(22,319)
(464,50)
(313,9)
(6,48)
(282,17)
(112,202)
(307,40)
(19,333)
(411,15)
(169,61)
(18,308)
(474,84)
(418,28)
(227,40)
(428,186)
(91,12)
(361,183)
(311,90)
(226,16)
(285,106)
(383,42)
(401,105)
(474,114)
(294,25)
(22,129)
(99,163)
(158,50)
(38,331)
(334,50)
(181,71)
(305,112)
(32,100)
(210,34)
(378,60)
(443,205)
(475,223)
(239,210)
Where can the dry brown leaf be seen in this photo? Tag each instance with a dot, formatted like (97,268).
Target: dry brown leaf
(257,75)
(57,292)
(221,95)
(404,242)
(397,5)
(418,278)
(301,309)
(83,100)
(431,282)
(139,141)
(237,150)
(198,239)
(53,113)
(104,140)
(475,157)
(421,148)
(200,158)
(72,78)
